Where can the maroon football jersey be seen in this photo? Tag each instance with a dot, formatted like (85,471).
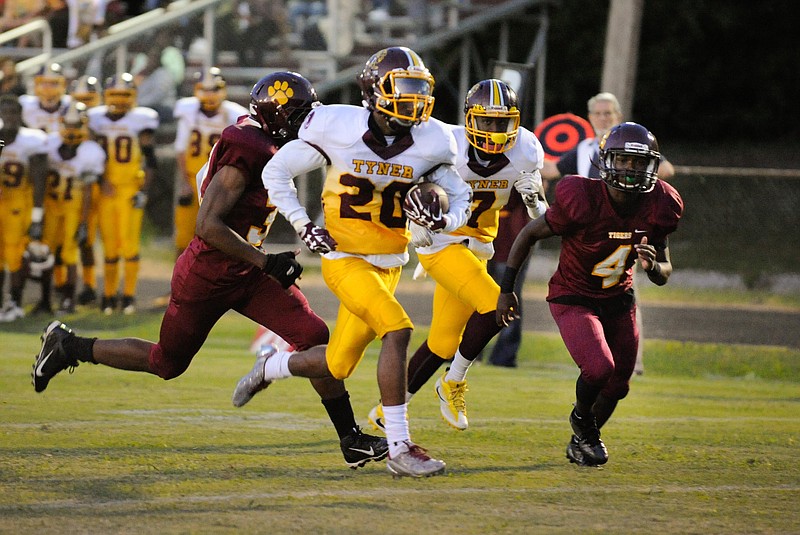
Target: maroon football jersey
(597,253)
(248,148)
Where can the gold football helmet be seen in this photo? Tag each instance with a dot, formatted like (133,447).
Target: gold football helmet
(49,84)
(120,94)
(210,90)
(492,116)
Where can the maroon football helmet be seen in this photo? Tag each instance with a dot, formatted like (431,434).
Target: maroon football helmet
(280,102)
(633,140)
(396,82)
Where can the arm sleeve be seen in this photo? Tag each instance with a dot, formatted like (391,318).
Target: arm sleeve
(295,158)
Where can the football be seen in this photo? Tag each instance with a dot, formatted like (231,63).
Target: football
(429,189)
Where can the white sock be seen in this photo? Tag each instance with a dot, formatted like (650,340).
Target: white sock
(277,366)
(458,368)
(395,418)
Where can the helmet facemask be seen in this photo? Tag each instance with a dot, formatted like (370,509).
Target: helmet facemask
(638,171)
(490,131)
(74,124)
(405,96)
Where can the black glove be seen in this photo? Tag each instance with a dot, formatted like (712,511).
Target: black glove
(283,267)
(82,234)
(35,231)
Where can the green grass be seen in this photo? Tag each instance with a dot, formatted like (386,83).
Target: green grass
(706,442)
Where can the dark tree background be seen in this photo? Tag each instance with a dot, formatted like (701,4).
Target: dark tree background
(708,69)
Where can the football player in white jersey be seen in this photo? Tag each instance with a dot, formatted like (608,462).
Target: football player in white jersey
(87,90)
(201,120)
(374,155)
(41,110)
(75,163)
(23,165)
(495,154)
(126,132)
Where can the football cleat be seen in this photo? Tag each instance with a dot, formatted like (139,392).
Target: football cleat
(414,462)
(254,382)
(375,418)
(11,312)
(87,296)
(108,304)
(359,448)
(66,306)
(588,440)
(128,305)
(451,402)
(52,358)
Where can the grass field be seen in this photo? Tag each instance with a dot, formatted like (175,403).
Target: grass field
(706,442)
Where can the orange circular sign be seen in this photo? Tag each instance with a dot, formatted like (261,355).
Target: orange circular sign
(561,133)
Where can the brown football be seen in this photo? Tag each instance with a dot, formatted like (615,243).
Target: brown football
(429,189)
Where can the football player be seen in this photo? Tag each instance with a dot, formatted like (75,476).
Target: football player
(23,165)
(126,132)
(87,90)
(373,155)
(75,164)
(41,110)
(495,155)
(201,120)
(225,268)
(606,225)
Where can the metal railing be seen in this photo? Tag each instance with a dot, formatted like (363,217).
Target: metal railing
(129,30)
(36,25)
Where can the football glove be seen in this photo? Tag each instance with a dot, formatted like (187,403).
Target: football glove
(82,234)
(420,236)
(38,258)
(139,200)
(317,239)
(529,185)
(283,267)
(428,215)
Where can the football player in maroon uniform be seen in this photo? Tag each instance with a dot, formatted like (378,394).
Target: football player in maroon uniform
(605,225)
(225,268)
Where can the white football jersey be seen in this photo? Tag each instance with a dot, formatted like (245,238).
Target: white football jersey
(34,116)
(367,179)
(120,139)
(197,132)
(67,176)
(491,183)
(15,159)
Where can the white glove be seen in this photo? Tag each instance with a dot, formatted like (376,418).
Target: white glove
(420,236)
(529,186)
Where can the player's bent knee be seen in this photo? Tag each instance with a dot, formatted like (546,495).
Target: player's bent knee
(166,368)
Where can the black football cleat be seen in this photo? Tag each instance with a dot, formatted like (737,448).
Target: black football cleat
(359,448)
(52,358)
(588,440)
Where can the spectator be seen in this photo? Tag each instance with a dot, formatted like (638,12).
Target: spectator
(10,84)
(156,83)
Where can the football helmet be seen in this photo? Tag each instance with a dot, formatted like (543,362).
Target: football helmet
(396,83)
(74,123)
(280,102)
(492,116)
(209,88)
(637,142)
(86,89)
(120,94)
(49,84)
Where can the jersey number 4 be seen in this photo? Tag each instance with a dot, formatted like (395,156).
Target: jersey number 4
(613,266)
